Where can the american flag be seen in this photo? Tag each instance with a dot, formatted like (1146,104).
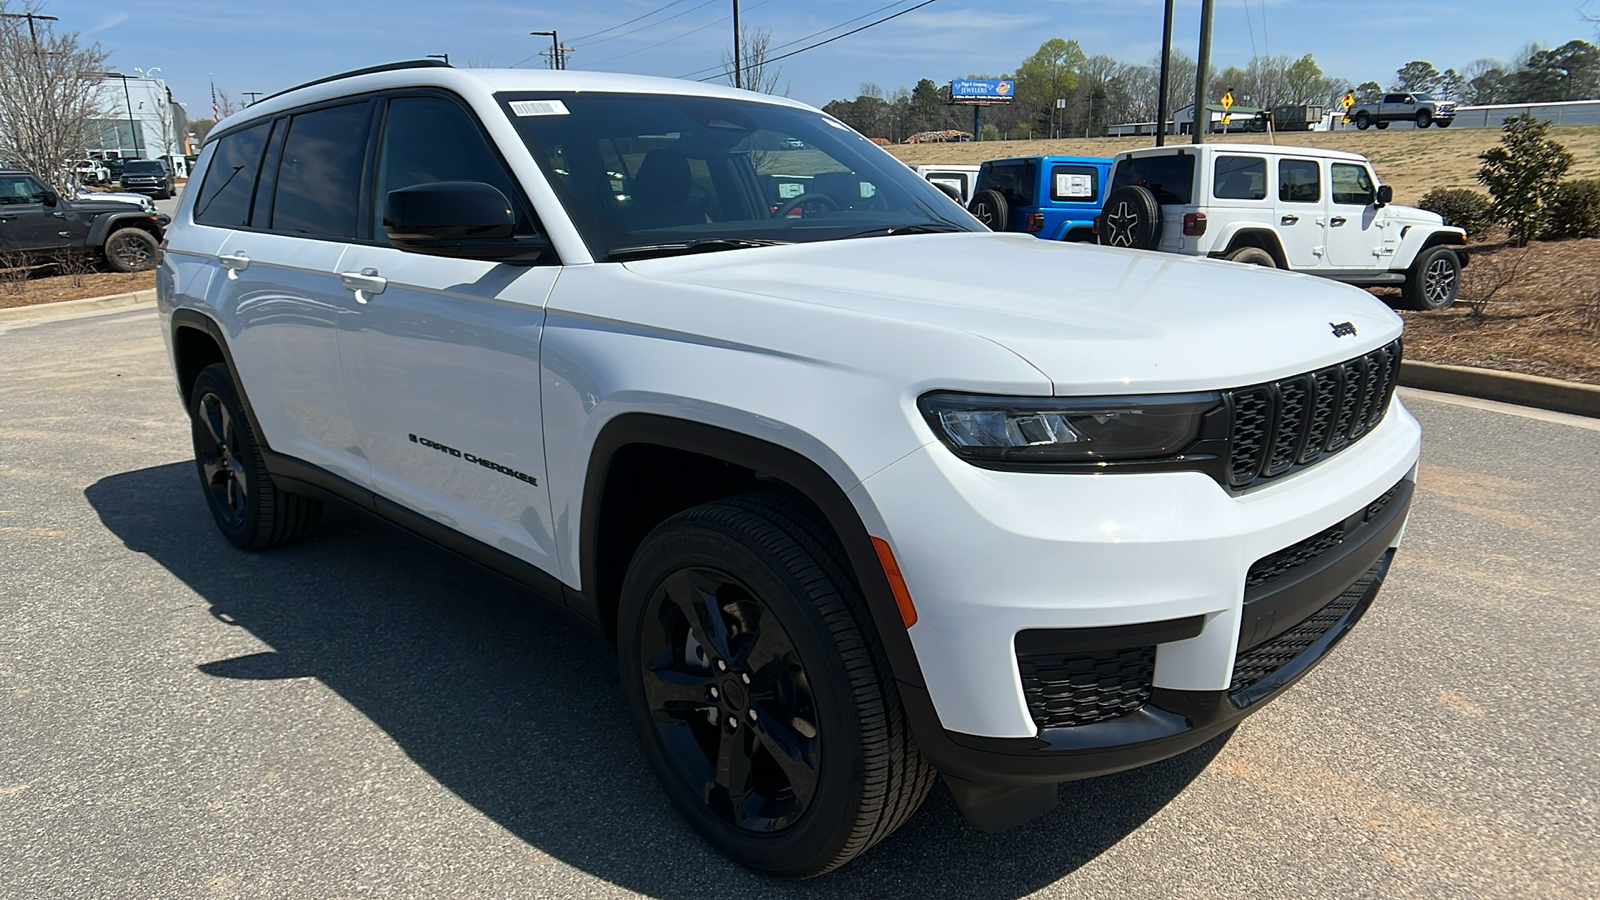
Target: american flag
(215,113)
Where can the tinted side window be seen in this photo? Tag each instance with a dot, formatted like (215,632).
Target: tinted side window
(429,139)
(1299,181)
(18,189)
(1394,98)
(224,198)
(319,176)
(1014,181)
(1240,178)
(1351,184)
(1075,184)
(1170,178)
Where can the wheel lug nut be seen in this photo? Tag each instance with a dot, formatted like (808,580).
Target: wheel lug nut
(733,724)
(752,715)
(722,666)
(746,677)
(714,693)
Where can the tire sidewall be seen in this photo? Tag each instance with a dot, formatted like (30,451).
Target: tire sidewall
(816,838)
(991,204)
(212,381)
(1418,295)
(132,233)
(1248,256)
(1136,206)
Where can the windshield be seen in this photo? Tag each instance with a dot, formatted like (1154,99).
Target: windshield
(145,167)
(644,172)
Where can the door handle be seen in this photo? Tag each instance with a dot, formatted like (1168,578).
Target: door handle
(1336,220)
(238,262)
(1289,220)
(365,282)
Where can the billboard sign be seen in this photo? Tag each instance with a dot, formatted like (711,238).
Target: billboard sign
(967,90)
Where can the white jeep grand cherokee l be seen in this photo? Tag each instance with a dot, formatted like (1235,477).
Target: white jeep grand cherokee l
(717,376)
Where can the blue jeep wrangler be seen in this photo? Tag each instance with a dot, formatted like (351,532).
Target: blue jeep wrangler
(1052,197)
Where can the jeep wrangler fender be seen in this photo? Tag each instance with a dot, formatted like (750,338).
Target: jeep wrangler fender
(106,224)
(1248,235)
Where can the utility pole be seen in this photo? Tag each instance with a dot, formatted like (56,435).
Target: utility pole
(1198,134)
(558,53)
(443,56)
(30,17)
(1166,60)
(252,95)
(738,68)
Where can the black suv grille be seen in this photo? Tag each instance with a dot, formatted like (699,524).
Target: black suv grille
(1283,425)
(1269,656)
(1281,563)
(1084,688)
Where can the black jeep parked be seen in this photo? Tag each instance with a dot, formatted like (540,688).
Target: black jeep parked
(38,223)
(148,176)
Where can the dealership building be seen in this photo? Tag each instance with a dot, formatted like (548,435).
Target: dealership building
(138,119)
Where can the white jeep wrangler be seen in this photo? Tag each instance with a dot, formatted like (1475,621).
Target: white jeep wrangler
(1321,212)
(855,513)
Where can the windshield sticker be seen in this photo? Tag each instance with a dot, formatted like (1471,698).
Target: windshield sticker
(539,108)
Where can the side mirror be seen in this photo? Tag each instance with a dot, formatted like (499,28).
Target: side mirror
(51,198)
(1385,195)
(949,190)
(461,219)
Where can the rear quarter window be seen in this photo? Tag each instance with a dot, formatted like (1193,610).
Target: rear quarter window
(1169,178)
(224,198)
(1075,184)
(1014,181)
(1240,178)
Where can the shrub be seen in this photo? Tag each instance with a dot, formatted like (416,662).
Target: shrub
(1574,212)
(1522,174)
(1460,207)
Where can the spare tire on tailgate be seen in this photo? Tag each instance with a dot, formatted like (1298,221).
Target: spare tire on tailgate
(1132,218)
(990,208)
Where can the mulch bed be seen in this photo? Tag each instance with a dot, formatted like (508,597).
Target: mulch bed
(42,284)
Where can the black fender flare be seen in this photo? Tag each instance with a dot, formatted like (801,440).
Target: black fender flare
(103,226)
(781,463)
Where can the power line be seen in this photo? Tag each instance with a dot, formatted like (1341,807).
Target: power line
(685,34)
(629,22)
(654,24)
(832,39)
(806,37)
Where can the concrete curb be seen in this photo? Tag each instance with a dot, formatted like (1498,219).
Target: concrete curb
(1506,387)
(66,307)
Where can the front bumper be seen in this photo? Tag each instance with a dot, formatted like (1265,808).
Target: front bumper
(1153,564)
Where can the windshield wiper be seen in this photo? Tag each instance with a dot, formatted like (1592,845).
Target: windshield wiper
(679,248)
(913,228)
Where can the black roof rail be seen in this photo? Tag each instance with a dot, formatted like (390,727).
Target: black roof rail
(369,70)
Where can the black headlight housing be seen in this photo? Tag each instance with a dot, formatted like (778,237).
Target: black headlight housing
(1150,432)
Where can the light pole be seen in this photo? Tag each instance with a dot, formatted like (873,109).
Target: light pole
(443,56)
(556,62)
(127,97)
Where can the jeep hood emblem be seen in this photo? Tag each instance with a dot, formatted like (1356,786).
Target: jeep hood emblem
(1343,329)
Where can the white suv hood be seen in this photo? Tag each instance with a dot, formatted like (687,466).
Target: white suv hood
(1093,319)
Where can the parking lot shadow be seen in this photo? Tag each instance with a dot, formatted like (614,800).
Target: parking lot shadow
(518,712)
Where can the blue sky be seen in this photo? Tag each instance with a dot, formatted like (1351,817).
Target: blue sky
(268,46)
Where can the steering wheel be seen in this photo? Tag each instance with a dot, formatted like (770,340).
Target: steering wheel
(801,200)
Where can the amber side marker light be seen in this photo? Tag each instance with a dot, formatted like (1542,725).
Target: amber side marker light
(897,582)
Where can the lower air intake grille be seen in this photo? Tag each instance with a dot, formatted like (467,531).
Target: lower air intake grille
(1262,660)
(1089,687)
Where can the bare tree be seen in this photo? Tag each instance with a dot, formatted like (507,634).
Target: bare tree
(49,93)
(756,73)
(167,115)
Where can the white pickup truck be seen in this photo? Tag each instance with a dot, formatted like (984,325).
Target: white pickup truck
(1416,107)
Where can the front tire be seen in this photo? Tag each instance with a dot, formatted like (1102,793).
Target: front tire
(248,508)
(1382,125)
(1433,280)
(1424,118)
(760,689)
(131,250)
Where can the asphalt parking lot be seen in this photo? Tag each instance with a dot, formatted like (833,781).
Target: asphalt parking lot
(364,715)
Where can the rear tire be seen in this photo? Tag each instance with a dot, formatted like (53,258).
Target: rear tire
(1433,280)
(760,689)
(1363,121)
(990,208)
(248,508)
(1253,256)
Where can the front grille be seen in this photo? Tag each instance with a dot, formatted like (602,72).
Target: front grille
(1282,425)
(1083,688)
(1262,660)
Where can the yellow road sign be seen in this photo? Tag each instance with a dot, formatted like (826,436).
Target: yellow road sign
(1227,100)
(1227,119)
(1348,100)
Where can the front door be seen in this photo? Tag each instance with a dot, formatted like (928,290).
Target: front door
(26,223)
(1355,223)
(442,361)
(1301,217)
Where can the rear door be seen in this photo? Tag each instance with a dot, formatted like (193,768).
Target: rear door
(278,290)
(442,354)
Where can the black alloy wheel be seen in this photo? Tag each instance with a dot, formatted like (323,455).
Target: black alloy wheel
(131,250)
(249,509)
(1132,218)
(732,706)
(760,689)
(1433,280)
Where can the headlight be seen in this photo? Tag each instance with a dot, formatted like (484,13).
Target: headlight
(1067,429)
